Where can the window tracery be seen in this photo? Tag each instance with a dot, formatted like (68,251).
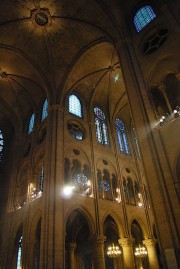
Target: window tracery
(131,190)
(101,127)
(122,137)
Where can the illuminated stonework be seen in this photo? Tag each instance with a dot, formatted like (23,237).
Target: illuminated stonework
(41,18)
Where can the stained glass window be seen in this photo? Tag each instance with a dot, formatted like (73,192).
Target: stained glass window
(104,185)
(143,16)
(80,179)
(101,127)
(44,110)
(31,123)
(1,145)
(75,105)
(19,253)
(122,137)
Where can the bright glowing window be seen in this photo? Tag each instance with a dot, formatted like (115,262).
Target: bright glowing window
(1,145)
(44,110)
(143,16)
(31,123)
(101,127)
(122,137)
(75,105)
(19,254)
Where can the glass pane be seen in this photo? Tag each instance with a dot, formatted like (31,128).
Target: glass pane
(18,266)
(98,131)
(1,145)
(101,127)
(31,123)
(44,111)
(122,137)
(105,134)
(75,106)
(143,17)
(98,112)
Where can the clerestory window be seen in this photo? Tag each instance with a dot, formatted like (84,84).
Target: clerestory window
(44,110)
(31,123)
(101,127)
(143,17)
(75,106)
(122,137)
(1,145)
(19,254)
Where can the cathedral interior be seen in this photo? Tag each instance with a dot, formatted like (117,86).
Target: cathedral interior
(89,134)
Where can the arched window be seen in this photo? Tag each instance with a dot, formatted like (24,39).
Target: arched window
(122,137)
(101,127)
(19,253)
(75,106)
(143,16)
(1,145)
(44,110)
(31,123)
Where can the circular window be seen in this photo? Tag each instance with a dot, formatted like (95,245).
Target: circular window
(75,131)
(155,41)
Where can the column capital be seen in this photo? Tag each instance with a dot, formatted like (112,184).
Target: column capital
(149,242)
(56,107)
(99,239)
(126,242)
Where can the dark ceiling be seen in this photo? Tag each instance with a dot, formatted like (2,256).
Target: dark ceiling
(51,48)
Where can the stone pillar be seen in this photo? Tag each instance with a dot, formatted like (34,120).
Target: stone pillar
(152,256)
(52,239)
(98,252)
(128,255)
(71,256)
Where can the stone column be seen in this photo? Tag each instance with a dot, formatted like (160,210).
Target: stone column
(128,255)
(52,239)
(98,252)
(72,247)
(152,256)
